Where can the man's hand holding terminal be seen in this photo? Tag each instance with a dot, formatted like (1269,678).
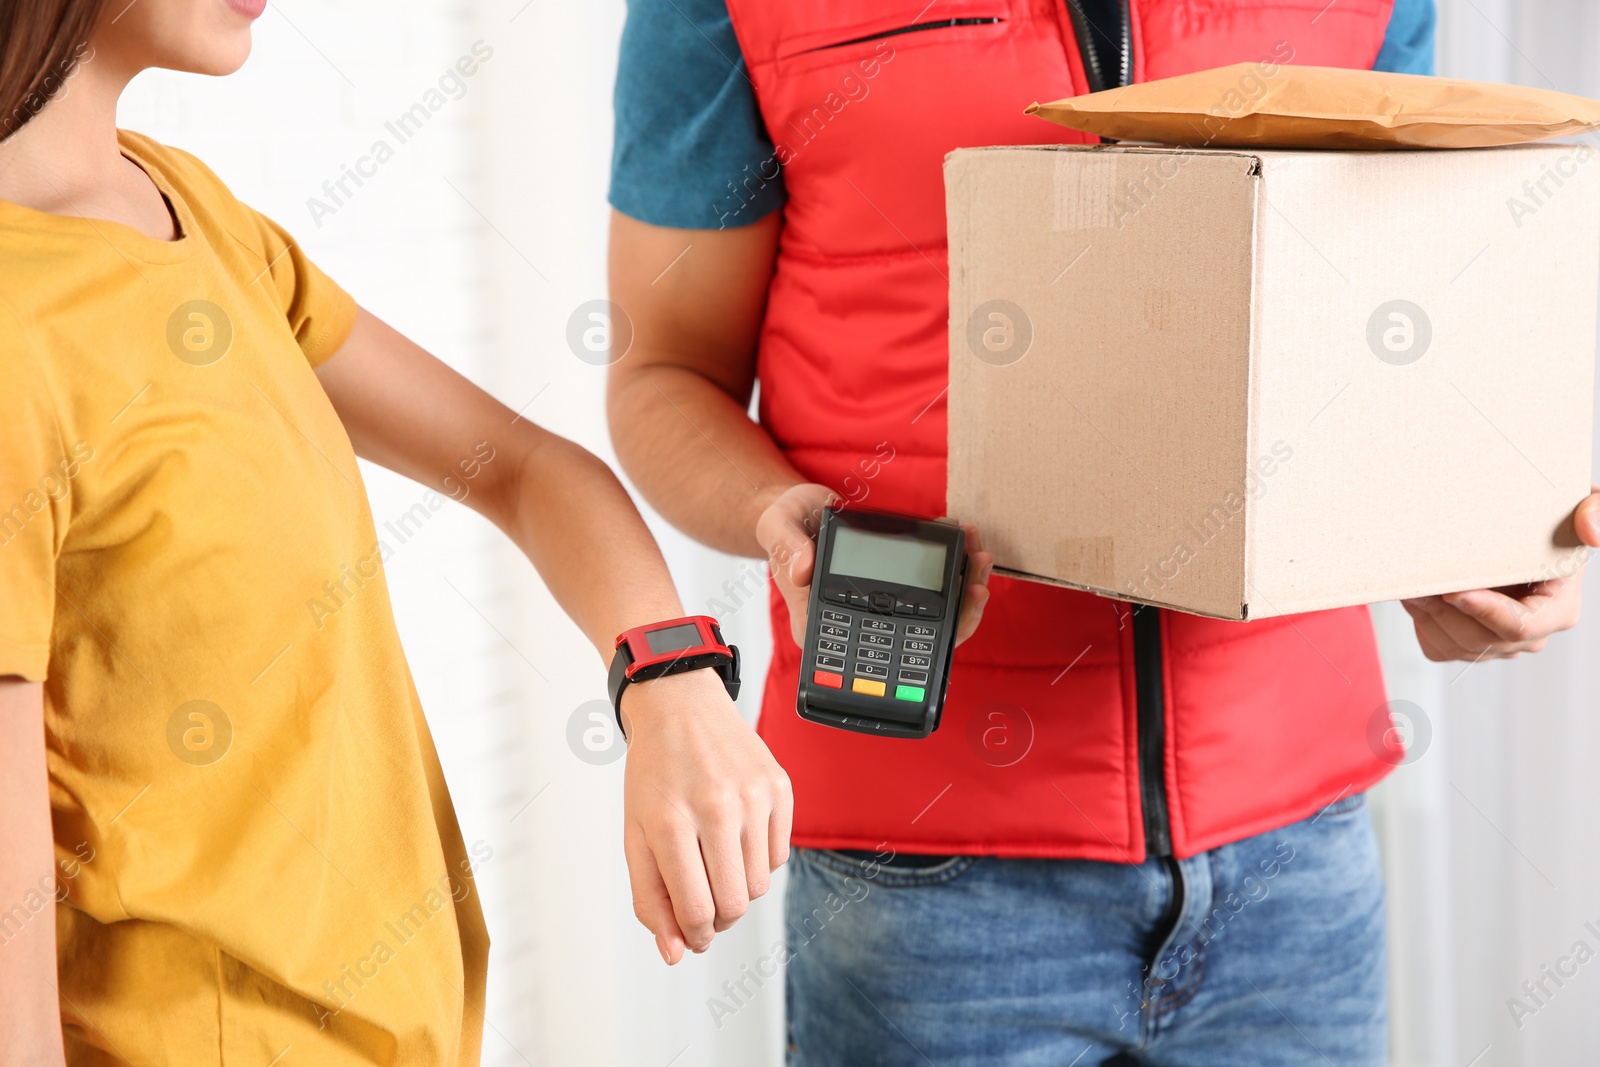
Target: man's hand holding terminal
(787,531)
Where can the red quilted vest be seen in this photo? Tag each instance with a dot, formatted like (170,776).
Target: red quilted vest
(1074,727)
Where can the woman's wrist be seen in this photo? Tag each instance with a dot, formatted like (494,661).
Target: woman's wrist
(649,706)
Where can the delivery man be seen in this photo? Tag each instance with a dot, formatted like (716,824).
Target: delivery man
(1140,836)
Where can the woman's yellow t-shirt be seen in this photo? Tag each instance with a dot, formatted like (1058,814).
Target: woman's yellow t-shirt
(258,858)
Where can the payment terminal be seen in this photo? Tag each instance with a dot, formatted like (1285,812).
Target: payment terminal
(881,622)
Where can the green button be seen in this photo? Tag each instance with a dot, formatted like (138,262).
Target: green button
(909,692)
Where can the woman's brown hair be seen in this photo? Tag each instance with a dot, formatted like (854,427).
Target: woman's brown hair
(41,44)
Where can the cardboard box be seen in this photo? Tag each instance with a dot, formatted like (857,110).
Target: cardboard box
(1245,383)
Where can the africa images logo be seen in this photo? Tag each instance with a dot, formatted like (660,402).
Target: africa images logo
(1399,332)
(999,332)
(199,333)
(199,733)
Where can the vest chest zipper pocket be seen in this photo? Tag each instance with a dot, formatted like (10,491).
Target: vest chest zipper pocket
(926,26)
(916,27)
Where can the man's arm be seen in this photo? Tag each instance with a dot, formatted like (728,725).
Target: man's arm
(678,403)
(707,808)
(30,1015)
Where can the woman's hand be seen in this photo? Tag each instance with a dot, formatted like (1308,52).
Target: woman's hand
(1504,623)
(787,530)
(706,808)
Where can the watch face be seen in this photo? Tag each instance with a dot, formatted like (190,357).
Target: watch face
(673,638)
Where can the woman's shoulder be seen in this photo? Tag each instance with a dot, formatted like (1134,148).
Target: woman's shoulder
(172,163)
(206,194)
(229,224)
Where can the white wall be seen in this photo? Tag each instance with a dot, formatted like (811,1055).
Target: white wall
(479,239)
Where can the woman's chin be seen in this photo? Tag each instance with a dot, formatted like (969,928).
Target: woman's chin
(217,59)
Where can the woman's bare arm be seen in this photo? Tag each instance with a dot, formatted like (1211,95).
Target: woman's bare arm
(707,809)
(30,1014)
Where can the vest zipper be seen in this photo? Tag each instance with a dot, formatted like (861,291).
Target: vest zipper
(917,27)
(1150,705)
(1150,721)
(1148,660)
(1081,31)
(1099,78)
(1125,74)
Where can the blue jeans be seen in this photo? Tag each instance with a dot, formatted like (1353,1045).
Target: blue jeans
(1268,951)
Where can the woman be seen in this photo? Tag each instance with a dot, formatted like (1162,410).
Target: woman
(210,747)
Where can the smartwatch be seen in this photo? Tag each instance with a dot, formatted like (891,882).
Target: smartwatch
(672,647)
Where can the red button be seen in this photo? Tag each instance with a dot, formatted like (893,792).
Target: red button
(832,681)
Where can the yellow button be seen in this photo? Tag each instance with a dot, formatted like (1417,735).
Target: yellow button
(868,686)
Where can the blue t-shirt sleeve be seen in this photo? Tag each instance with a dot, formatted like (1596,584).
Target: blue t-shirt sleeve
(690,149)
(1408,44)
